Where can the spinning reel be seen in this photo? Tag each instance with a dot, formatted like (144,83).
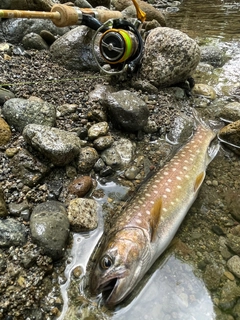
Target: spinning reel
(116,42)
(120,46)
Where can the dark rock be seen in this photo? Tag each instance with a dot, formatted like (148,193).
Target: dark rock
(5,95)
(28,168)
(49,227)
(3,207)
(127,110)
(34,41)
(12,233)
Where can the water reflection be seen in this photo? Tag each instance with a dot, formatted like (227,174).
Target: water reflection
(207,18)
(170,290)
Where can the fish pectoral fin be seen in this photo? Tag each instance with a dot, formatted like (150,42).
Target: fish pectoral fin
(199,181)
(155,217)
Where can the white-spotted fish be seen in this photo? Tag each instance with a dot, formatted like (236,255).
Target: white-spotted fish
(151,219)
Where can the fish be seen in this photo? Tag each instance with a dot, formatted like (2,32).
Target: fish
(151,219)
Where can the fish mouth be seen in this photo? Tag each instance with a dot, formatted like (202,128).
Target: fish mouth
(108,289)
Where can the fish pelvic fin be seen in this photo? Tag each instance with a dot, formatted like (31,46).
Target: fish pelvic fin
(199,181)
(155,217)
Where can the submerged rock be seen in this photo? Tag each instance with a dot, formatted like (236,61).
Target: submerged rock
(230,111)
(59,146)
(19,112)
(170,57)
(230,135)
(49,227)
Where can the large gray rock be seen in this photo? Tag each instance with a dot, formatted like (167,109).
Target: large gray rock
(74,50)
(127,110)
(12,233)
(13,30)
(59,146)
(49,227)
(19,112)
(170,57)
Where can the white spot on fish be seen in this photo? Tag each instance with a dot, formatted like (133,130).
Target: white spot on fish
(152,202)
(164,209)
(136,207)
(165,173)
(185,168)
(157,181)
(147,211)
(172,203)
(186,161)
(164,196)
(174,169)
(147,194)
(155,191)
(138,221)
(178,178)
(179,187)
(168,190)
(169,180)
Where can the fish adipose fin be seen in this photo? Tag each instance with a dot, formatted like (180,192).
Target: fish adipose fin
(199,181)
(155,217)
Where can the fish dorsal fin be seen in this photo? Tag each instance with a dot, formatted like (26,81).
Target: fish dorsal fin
(155,216)
(199,181)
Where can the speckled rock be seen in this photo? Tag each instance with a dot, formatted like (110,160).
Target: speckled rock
(3,207)
(230,134)
(170,57)
(82,214)
(87,159)
(5,95)
(127,110)
(59,146)
(12,233)
(28,168)
(5,132)
(234,265)
(80,186)
(181,130)
(49,227)
(212,276)
(233,242)
(74,50)
(97,130)
(201,89)
(230,111)
(103,143)
(230,292)
(19,112)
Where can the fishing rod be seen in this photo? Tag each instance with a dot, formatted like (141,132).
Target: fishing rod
(117,39)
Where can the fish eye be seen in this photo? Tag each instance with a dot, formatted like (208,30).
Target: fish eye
(106,262)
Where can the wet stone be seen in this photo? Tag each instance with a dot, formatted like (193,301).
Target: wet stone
(234,265)
(28,168)
(230,135)
(212,276)
(233,201)
(82,214)
(205,90)
(59,146)
(111,157)
(49,227)
(182,129)
(103,143)
(233,243)
(229,294)
(19,112)
(15,209)
(5,132)
(131,172)
(230,111)
(87,159)
(12,233)
(34,41)
(127,110)
(81,186)
(97,130)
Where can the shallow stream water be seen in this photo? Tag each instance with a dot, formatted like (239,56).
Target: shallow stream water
(174,287)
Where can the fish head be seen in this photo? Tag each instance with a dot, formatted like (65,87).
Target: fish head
(120,267)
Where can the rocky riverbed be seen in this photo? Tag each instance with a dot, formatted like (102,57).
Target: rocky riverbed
(65,132)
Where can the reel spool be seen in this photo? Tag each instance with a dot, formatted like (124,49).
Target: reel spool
(120,45)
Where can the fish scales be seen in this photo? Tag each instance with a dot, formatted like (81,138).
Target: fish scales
(150,221)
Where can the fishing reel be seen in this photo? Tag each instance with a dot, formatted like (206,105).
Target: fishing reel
(119,44)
